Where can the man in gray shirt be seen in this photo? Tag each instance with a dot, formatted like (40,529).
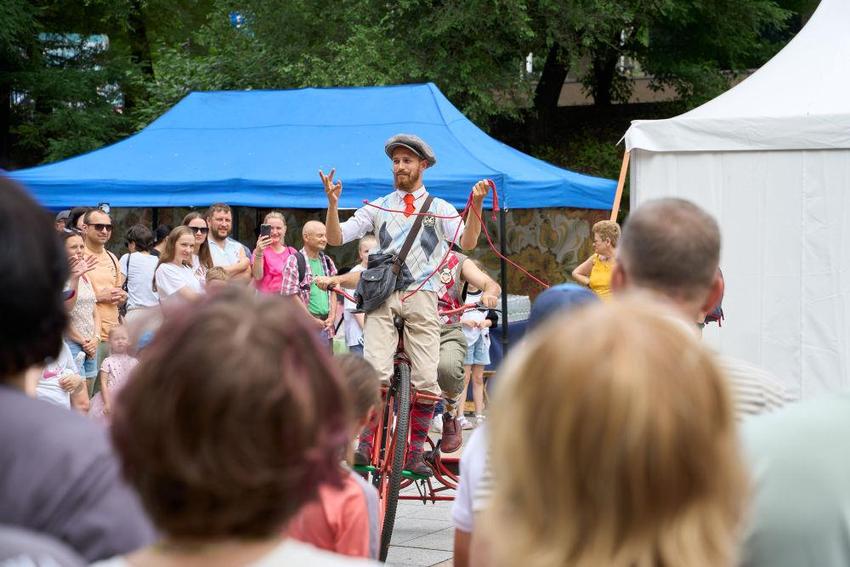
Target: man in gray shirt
(58,475)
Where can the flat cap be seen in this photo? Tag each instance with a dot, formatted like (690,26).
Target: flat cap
(63,215)
(413,143)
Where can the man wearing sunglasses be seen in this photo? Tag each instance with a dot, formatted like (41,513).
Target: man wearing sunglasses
(106,278)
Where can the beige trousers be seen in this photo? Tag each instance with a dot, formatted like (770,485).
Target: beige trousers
(421,338)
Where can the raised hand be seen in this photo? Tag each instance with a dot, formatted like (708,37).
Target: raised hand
(263,242)
(81,266)
(479,191)
(332,189)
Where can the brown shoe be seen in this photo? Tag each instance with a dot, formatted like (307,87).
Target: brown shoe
(416,464)
(452,434)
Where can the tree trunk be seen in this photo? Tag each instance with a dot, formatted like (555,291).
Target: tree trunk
(548,92)
(5,118)
(140,51)
(604,67)
(551,81)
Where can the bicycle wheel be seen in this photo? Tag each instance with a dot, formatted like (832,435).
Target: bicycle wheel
(391,482)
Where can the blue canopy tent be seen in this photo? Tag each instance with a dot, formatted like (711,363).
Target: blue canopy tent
(263,149)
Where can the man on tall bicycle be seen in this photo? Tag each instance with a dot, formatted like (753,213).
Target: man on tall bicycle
(410,157)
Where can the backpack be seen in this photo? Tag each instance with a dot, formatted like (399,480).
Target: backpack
(716,315)
(301,261)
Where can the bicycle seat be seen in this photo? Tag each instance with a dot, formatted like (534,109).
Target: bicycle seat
(399,323)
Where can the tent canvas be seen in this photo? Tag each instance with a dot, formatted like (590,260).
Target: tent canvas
(264,148)
(770,159)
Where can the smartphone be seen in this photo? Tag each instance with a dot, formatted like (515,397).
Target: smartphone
(265,229)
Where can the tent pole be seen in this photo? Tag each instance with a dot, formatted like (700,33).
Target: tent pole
(154,218)
(615,209)
(503,248)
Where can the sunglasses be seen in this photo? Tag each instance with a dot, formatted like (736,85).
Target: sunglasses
(100,227)
(201,229)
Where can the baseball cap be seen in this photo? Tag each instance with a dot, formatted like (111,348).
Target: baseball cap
(560,298)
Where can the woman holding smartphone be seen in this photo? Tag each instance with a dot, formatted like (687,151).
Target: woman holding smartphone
(270,254)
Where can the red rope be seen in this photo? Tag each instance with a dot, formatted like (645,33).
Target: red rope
(462,214)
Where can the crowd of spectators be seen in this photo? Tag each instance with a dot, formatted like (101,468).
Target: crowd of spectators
(218,427)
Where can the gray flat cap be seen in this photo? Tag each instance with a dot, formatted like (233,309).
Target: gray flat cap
(63,215)
(413,143)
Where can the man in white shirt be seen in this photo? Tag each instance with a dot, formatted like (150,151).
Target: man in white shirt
(226,252)
(410,156)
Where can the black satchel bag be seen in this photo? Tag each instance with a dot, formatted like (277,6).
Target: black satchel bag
(380,278)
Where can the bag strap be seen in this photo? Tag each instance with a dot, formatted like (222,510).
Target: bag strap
(302,267)
(126,286)
(411,236)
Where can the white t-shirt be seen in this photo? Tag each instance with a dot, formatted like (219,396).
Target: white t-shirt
(471,469)
(289,553)
(48,388)
(353,332)
(140,291)
(171,278)
(478,315)
(227,256)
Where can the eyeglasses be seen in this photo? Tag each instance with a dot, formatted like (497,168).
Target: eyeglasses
(200,229)
(100,227)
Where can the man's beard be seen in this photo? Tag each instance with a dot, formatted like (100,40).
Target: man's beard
(407,182)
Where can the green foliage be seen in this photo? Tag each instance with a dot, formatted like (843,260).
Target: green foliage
(74,98)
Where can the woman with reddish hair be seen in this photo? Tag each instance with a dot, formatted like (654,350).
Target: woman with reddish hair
(233,418)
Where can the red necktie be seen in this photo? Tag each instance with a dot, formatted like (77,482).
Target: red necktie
(409,209)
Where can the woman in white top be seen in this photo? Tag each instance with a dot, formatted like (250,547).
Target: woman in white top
(138,266)
(174,274)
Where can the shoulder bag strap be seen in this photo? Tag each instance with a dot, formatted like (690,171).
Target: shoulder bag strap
(411,236)
(126,285)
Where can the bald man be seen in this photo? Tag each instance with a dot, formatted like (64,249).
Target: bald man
(320,305)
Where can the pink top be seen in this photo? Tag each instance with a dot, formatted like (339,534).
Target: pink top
(341,520)
(272,269)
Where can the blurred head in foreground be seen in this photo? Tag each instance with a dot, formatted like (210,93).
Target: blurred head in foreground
(625,430)
(232,418)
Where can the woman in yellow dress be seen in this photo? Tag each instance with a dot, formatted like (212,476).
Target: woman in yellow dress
(595,272)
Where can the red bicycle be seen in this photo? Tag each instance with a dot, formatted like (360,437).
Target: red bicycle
(386,467)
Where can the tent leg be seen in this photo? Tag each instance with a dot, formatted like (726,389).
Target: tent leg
(154,218)
(503,273)
(615,209)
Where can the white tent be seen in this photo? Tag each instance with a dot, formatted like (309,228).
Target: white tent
(770,159)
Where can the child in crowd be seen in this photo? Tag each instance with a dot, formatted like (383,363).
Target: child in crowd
(114,373)
(476,325)
(216,278)
(60,378)
(354,322)
(344,519)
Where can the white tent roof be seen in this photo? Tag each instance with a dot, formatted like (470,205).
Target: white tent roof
(799,100)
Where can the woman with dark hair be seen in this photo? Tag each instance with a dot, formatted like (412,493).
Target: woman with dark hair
(217,495)
(201,259)
(138,266)
(76,220)
(174,275)
(159,236)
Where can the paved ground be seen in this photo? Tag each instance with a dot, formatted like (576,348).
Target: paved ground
(424,533)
